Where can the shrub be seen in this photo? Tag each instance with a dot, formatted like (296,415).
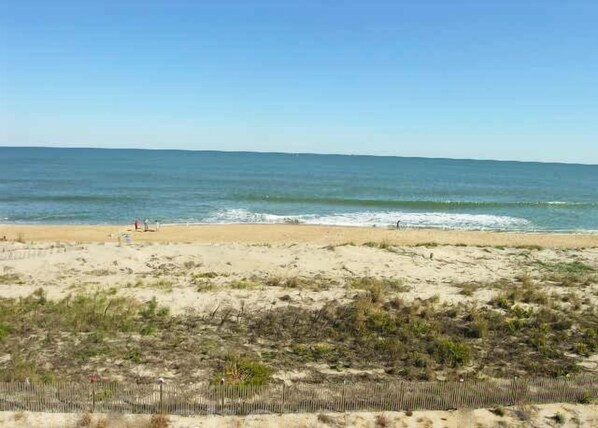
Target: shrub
(498,411)
(302,351)
(153,310)
(468,289)
(240,370)
(134,355)
(560,418)
(456,354)
(587,398)
(159,421)
(378,288)
(478,328)
(19,368)
(501,302)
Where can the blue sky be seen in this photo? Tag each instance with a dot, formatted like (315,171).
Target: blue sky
(461,79)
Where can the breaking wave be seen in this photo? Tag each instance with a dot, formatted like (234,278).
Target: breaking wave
(379,219)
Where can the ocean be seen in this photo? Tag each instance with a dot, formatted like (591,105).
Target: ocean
(107,186)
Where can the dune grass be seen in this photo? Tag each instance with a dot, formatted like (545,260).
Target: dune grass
(524,329)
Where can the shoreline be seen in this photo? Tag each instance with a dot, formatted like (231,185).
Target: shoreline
(294,234)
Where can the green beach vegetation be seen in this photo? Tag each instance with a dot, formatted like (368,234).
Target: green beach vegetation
(524,329)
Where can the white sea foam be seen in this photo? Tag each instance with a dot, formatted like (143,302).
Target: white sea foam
(380,219)
(563,203)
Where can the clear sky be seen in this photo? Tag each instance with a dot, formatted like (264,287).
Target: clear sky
(501,79)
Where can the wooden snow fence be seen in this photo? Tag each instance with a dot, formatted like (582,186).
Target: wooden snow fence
(298,398)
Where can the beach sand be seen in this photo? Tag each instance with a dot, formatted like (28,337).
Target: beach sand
(199,269)
(67,259)
(293,234)
(585,416)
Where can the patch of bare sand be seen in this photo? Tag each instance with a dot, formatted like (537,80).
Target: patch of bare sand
(551,415)
(202,277)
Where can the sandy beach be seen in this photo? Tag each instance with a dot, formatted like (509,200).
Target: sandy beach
(63,259)
(293,234)
(233,288)
(568,416)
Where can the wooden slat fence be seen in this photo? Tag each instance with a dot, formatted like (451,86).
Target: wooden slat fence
(19,254)
(299,398)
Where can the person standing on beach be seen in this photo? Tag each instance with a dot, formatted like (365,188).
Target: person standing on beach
(145,225)
(157,225)
(136,224)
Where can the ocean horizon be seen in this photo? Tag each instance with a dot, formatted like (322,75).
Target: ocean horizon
(107,186)
(365,155)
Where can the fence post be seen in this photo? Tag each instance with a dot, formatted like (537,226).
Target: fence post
(93,394)
(514,388)
(222,396)
(401,402)
(161,382)
(343,399)
(460,395)
(283,397)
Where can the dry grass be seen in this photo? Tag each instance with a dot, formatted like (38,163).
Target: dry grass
(524,413)
(568,274)
(243,284)
(385,244)
(11,278)
(20,416)
(383,421)
(326,419)
(159,421)
(375,330)
(526,328)
(85,420)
